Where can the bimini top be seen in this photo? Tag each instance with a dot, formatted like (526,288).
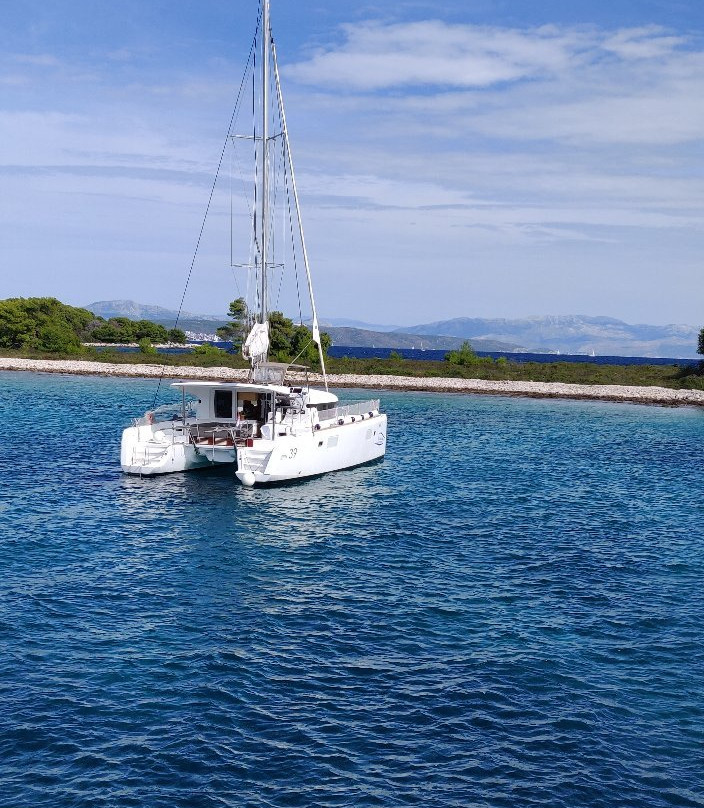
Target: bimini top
(267,376)
(244,386)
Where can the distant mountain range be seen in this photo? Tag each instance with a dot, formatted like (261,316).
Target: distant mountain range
(343,322)
(574,334)
(362,338)
(567,334)
(351,333)
(195,323)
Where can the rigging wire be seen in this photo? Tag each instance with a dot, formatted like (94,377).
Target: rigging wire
(210,198)
(293,241)
(285,159)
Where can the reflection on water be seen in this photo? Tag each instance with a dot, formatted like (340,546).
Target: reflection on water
(288,514)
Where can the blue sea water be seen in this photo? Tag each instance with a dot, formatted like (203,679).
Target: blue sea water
(340,351)
(507,611)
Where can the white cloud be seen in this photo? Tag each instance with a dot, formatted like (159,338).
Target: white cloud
(577,85)
(435,53)
(642,43)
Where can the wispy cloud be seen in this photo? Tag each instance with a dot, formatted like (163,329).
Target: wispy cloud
(648,42)
(640,85)
(376,56)
(433,53)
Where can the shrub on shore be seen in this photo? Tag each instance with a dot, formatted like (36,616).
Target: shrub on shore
(47,324)
(42,324)
(465,355)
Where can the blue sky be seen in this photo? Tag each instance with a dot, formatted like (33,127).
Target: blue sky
(493,158)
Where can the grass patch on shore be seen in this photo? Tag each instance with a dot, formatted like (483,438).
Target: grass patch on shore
(672,376)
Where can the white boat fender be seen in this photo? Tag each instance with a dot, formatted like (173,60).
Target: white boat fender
(248,478)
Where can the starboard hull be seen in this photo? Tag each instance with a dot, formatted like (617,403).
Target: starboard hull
(295,457)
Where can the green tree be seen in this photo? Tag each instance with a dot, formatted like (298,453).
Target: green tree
(700,347)
(281,332)
(58,337)
(152,331)
(126,328)
(16,327)
(121,330)
(104,332)
(176,335)
(464,356)
(47,324)
(234,332)
(303,350)
(24,323)
(293,343)
(115,330)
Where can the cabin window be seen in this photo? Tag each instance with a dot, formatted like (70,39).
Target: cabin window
(223,403)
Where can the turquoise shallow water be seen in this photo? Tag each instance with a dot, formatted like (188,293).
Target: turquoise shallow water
(506,612)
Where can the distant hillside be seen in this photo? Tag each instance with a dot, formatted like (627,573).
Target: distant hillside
(573,334)
(568,334)
(361,338)
(200,324)
(142,311)
(348,336)
(343,322)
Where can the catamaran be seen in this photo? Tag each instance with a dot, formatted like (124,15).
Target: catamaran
(274,426)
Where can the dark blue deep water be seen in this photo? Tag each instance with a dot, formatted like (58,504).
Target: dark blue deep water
(508,611)
(340,351)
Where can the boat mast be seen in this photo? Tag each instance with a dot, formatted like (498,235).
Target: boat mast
(266,39)
(282,113)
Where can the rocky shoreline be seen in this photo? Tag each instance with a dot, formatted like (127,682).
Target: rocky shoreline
(602,392)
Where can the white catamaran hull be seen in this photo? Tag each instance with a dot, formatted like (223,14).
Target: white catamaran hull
(293,457)
(153,449)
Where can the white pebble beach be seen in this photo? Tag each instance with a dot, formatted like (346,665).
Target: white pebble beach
(603,392)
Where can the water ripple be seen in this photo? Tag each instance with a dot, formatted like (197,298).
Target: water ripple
(505,612)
